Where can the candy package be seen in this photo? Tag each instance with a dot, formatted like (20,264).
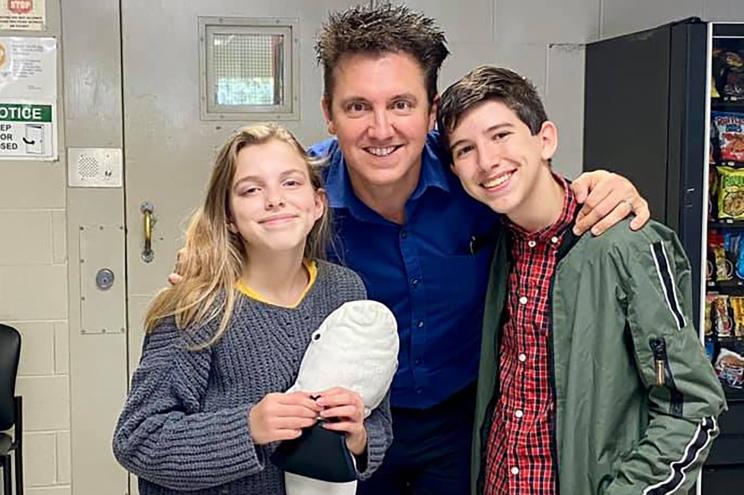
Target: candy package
(734,85)
(737,308)
(713,90)
(719,267)
(730,368)
(708,316)
(722,316)
(739,257)
(728,73)
(733,76)
(712,189)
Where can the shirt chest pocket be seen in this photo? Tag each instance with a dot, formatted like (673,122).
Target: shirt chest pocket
(455,284)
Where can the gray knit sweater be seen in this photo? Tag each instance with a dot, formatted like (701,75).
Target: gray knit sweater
(185,423)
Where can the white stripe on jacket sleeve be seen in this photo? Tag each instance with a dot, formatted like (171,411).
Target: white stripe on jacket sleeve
(668,286)
(679,468)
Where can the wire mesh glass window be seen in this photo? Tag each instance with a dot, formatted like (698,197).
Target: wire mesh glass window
(249,70)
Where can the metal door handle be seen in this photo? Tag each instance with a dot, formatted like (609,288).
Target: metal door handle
(147,221)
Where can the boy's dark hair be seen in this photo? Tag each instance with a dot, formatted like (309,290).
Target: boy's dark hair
(490,83)
(379,30)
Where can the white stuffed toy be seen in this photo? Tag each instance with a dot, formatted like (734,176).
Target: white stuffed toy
(356,347)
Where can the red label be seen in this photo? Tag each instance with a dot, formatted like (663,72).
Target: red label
(20,6)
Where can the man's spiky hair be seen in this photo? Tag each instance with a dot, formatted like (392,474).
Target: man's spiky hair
(378,30)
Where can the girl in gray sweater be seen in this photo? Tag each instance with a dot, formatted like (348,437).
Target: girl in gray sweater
(207,404)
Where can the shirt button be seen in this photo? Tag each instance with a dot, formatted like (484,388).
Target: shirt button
(554,240)
(532,244)
(515,470)
(522,357)
(418,361)
(420,324)
(518,413)
(414,281)
(418,391)
(523,300)
(403,234)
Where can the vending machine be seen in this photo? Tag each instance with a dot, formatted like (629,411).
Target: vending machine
(665,108)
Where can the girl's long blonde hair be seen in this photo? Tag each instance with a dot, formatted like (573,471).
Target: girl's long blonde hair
(215,257)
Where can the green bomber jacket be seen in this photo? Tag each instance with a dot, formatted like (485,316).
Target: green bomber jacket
(637,400)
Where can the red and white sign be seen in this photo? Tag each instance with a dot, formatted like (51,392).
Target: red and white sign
(23,15)
(20,6)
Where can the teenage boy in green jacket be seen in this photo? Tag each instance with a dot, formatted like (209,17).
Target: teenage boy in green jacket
(593,380)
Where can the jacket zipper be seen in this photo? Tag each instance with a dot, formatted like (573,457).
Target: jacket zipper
(484,434)
(664,376)
(487,424)
(569,241)
(551,364)
(485,427)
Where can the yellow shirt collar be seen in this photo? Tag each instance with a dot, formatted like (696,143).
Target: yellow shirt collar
(312,271)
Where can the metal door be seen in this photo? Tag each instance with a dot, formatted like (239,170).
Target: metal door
(168,145)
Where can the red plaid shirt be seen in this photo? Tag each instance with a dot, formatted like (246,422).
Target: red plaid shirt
(519,459)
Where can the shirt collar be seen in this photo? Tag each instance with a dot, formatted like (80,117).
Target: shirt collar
(434,163)
(566,219)
(338,185)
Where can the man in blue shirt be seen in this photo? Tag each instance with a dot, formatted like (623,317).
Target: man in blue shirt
(419,242)
(421,245)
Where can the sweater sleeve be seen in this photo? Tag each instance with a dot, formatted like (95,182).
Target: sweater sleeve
(379,427)
(684,395)
(164,436)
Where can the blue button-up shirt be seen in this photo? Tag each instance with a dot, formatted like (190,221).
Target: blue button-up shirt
(432,271)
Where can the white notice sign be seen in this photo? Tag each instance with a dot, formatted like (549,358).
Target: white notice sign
(28,68)
(23,15)
(26,131)
(28,96)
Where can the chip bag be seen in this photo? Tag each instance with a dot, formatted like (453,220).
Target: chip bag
(730,193)
(730,129)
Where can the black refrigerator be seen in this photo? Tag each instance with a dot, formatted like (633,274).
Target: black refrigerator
(665,108)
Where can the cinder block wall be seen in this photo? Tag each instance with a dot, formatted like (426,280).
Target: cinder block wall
(33,296)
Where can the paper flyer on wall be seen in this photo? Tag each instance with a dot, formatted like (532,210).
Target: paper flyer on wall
(28,98)
(23,15)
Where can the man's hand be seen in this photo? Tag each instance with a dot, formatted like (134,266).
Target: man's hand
(282,416)
(607,198)
(347,409)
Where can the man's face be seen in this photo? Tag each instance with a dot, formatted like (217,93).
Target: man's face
(497,159)
(380,115)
